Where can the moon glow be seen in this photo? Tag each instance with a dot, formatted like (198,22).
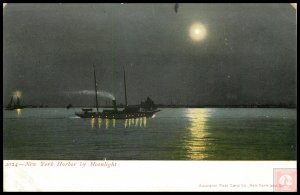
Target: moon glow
(197,32)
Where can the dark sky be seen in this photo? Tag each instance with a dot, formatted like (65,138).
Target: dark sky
(247,57)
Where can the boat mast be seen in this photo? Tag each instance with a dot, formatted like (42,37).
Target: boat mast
(95,88)
(125,87)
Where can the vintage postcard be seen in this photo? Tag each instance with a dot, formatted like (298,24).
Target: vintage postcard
(149,97)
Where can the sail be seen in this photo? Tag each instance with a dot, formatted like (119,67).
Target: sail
(10,103)
(18,101)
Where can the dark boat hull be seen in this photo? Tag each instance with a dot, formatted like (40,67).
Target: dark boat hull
(116,115)
(14,108)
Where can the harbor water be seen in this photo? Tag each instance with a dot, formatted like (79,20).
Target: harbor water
(172,134)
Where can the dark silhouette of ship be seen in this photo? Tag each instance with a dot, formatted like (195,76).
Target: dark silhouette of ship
(69,106)
(146,109)
(13,106)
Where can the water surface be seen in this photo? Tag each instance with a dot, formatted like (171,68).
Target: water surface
(173,134)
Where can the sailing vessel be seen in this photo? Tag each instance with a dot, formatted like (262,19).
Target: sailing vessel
(128,112)
(12,105)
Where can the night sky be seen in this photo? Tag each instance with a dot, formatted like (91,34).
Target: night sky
(248,55)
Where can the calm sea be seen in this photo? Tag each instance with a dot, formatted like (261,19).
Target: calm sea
(173,134)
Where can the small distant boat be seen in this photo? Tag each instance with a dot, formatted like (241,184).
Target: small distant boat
(69,106)
(13,106)
(137,111)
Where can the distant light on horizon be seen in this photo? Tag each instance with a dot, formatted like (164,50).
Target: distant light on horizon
(17,94)
(197,32)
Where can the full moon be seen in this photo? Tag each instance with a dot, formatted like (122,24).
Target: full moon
(197,32)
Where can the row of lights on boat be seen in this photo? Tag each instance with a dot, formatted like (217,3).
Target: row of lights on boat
(125,116)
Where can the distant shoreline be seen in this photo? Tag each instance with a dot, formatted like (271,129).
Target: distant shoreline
(180,106)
